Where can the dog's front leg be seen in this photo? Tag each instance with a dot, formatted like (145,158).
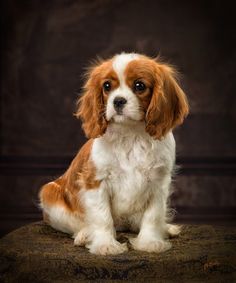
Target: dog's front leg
(98,223)
(152,234)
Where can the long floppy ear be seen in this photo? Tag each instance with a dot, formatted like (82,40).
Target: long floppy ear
(91,109)
(168,106)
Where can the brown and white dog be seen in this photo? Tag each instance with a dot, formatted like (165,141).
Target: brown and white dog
(120,178)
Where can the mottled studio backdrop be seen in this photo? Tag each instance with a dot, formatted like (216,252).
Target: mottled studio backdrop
(45,47)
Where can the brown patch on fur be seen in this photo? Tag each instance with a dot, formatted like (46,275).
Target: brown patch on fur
(168,106)
(141,70)
(92,104)
(164,102)
(64,190)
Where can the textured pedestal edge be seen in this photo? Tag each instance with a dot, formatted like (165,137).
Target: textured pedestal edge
(37,253)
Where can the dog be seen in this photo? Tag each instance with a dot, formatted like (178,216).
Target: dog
(120,179)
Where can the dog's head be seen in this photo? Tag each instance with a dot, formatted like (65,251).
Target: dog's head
(132,87)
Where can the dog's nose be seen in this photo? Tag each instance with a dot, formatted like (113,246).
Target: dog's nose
(119,103)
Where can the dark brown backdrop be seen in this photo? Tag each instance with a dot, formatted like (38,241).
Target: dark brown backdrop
(45,47)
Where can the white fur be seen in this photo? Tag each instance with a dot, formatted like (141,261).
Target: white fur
(135,171)
(121,61)
(62,220)
(100,231)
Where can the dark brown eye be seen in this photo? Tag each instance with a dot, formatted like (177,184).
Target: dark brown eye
(107,86)
(139,86)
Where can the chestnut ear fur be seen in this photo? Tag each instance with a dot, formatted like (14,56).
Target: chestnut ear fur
(91,106)
(168,106)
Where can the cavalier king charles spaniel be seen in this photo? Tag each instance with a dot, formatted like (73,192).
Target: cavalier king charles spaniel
(120,179)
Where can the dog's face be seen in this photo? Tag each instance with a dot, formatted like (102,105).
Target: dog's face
(132,87)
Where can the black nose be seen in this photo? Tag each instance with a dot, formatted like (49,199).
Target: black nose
(119,102)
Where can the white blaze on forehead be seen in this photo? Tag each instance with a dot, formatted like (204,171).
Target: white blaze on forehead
(121,61)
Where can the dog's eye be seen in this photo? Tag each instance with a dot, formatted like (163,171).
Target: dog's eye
(139,86)
(107,86)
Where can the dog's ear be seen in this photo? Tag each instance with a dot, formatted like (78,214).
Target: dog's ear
(168,106)
(91,108)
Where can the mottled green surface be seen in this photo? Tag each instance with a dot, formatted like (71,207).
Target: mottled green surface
(37,253)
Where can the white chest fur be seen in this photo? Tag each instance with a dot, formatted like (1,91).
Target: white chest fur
(131,165)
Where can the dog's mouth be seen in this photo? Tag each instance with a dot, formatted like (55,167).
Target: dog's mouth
(120,118)
(125,116)
(124,119)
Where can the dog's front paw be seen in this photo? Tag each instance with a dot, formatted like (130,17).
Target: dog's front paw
(110,248)
(151,246)
(81,238)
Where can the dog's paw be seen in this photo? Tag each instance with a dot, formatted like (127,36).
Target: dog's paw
(81,238)
(173,230)
(151,246)
(111,248)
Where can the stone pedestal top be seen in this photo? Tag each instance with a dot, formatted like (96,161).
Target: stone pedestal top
(37,253)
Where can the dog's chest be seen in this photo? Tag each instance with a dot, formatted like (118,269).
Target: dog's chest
(130,169)
(130,188)
(131,175)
